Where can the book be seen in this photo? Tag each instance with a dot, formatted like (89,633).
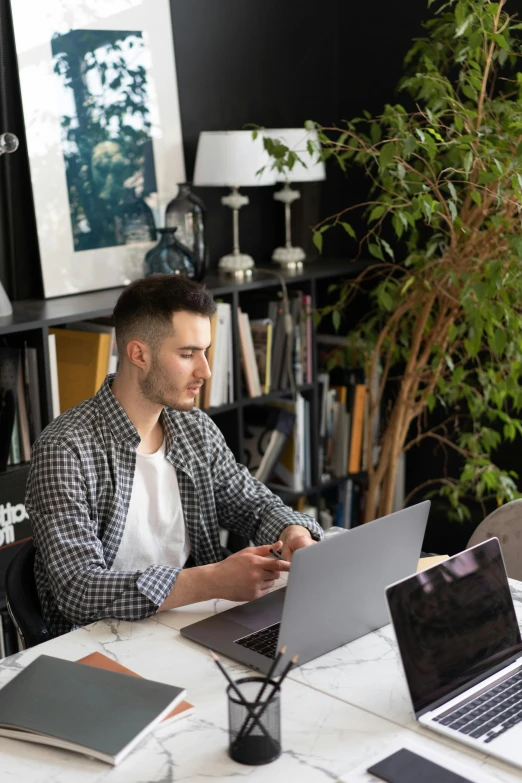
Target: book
(262,339)
(83,359)
(220,357)
(101,661)
(100,713)
(356,439)
(248,356)
(23,418)
(53,371)
(100,328)
(32,391)
(279,425)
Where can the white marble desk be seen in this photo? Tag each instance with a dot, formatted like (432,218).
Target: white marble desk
(335,716)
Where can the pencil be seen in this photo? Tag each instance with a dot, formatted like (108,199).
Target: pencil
(238,693)
(245,728)
(277,686)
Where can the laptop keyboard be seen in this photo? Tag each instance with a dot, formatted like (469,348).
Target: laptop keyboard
(489,714)
(263,642)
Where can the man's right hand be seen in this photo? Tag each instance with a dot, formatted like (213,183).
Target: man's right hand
(248,574)
(243,576)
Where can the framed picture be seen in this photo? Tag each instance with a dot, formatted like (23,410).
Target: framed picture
(100,102)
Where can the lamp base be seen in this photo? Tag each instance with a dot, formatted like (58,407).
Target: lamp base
(289,258)
(239,265)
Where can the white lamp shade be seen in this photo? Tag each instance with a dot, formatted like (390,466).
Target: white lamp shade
(232,159)
(296,139)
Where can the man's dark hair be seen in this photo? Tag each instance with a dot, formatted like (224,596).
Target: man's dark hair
(144,309)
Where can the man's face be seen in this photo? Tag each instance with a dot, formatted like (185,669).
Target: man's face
(179,366)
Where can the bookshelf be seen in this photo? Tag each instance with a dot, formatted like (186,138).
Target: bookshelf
(32,319)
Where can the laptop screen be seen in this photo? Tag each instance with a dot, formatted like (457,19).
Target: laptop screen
(454,622)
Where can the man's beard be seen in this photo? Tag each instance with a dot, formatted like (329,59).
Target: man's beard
(157,389)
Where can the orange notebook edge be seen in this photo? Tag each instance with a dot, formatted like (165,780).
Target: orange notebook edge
(101,661)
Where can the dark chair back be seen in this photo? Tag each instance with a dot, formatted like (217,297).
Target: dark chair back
(22,597)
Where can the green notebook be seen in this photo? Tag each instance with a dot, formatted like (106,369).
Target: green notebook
(100,713)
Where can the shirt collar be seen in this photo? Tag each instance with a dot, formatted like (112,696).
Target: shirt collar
(122,427)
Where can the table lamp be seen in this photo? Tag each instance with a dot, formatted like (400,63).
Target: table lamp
(233,159)
(296,139)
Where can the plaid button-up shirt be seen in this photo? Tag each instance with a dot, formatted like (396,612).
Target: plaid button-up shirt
(78,495)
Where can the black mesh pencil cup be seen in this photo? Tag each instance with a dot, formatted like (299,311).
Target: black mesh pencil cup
(254,740)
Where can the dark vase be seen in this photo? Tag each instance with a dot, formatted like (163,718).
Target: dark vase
(136,222)
(170,256)
(186,212)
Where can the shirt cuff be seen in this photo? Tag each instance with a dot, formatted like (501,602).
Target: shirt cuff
(156,582)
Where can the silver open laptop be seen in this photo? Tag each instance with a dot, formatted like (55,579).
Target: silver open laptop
(461,650)
(335,593)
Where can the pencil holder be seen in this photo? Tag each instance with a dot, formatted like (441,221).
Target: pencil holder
(254,740)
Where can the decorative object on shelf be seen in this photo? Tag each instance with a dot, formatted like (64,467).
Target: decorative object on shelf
(307,167)
(233,159)
(186,212)
(100,102)
(170,256)
(8,144)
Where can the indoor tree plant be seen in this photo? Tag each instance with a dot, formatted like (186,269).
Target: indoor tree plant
(443,223)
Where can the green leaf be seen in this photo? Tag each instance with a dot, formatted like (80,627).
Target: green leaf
(461,29)
(376,213)
(407,284)
(336,319)
(376,251)
(499,40)
(375,133)
(317,239)
(349,230)
(468,161)
(476,197)
(386,300)
(387,248)
(453,210)
(499,341)
(386,154)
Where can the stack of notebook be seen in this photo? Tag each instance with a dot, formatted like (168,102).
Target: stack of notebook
(100,709)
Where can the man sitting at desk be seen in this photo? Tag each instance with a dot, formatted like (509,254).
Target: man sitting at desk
(130,486)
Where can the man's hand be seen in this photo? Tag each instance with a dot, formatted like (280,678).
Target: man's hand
(248,574)
(294,537)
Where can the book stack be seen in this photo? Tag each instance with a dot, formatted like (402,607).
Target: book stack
(343,425)
(275,345)
(96,709)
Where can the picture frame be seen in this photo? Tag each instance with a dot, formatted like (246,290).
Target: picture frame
(104,142)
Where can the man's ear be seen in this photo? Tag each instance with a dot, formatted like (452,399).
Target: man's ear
(138,353)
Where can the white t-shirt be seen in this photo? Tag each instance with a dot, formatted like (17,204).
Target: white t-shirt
(155,531)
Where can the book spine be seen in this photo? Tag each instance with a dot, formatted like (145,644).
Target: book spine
(354,464)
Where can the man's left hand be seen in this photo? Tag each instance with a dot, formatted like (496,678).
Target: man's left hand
(294,537)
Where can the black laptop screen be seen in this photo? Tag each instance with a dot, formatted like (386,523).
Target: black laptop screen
(454,622)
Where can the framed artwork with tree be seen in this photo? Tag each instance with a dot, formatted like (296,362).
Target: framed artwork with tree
(99,94)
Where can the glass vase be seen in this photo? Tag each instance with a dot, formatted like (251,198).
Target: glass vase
(170,256)
(186,213)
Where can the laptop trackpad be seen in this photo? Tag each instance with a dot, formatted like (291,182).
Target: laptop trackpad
(261,612)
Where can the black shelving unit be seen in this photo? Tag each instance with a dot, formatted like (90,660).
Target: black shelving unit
(31,320)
